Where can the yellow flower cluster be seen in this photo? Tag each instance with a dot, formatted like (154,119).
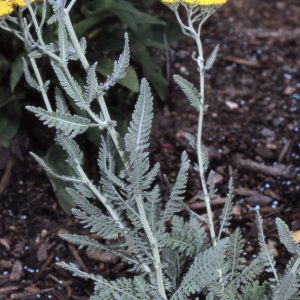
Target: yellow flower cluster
(199,2)
(8,6)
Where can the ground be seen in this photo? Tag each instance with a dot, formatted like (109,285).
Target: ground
(251,130)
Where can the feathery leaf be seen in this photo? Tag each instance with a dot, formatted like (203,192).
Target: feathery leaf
(70,125)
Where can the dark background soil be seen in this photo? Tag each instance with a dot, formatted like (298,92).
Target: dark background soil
(253,93)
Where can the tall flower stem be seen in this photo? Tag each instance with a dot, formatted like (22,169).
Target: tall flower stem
(189,30)
(200,155)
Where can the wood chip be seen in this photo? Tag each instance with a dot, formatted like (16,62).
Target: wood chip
(42,253)
(4,242)
(6,176)
(259,199)
(285,150)
(9,289)
(78,258)
(277,170)
(103,257)
(296,236)
(213,202)
(231,105)
(24,295)
(241,191)
(244,62)
(17,271)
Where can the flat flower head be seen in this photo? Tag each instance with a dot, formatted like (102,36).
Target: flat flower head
(197,2)
(6,7)
(21,3)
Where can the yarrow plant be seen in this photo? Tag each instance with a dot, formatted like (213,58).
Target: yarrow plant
(168,256)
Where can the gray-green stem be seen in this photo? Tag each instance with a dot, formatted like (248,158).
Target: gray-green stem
(41,84)
(189,30)
(199,145)
(200,62)
(154,246)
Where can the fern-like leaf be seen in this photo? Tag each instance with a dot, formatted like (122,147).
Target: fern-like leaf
(120,66)
(101,225)
(211,60)
(90,89)
(249,273)
(135,288)
(175,202)
(286,287)
(186,237)
(137,138)
(70,85)
(235,248)
(203,271)
(227,210)
(153,208)
(71,125)
(263,246)
(51,172)
(93,245)
(229,293)
(71,147)
(29,79)
(61,105)
(190,91)
(286,237)
(119,289)
(255,290)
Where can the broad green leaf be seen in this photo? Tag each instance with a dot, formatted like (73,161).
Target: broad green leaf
(6,96)
(16,72)
(152,71)
(60,167)
(9,123)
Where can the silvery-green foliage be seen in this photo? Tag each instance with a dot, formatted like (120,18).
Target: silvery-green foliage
(189,90)
(185,237)
(286,237)
(168,255)
(211,60)
(202,272)
(29,79)
(174,203)
(119,70)
(226,212)
(71,125)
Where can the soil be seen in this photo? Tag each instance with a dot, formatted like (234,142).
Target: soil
(251,129)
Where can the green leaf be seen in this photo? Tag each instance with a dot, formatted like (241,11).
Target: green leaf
(4,65)
(9,123)
(60,167)
(130,81)
(152,71)
(6,96)
(16,72)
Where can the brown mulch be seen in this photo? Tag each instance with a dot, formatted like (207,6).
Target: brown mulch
(252,132)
